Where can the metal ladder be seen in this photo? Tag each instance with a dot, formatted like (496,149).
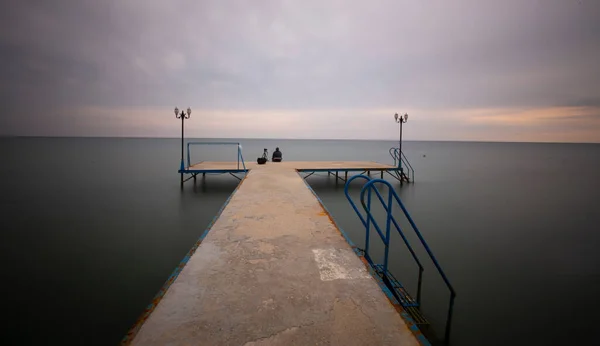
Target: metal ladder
(412,306)
(399,159)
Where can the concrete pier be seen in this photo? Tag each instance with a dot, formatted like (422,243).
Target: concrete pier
(274,270)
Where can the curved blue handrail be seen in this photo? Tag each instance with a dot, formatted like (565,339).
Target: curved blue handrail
(367,224)
(394,154)
(391,197)
(400,158)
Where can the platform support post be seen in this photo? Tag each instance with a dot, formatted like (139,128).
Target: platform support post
(336,176)
(346,175)
(203,174)
(381,174)
(369,173)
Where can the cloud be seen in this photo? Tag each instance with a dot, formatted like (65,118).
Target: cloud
(533,117)
(289,57)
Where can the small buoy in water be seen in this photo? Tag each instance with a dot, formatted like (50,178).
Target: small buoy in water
(424,155)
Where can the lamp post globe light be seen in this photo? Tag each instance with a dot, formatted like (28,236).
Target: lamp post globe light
(400,120)
(183,115)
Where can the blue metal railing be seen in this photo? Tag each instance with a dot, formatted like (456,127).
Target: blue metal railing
(394,155)
(240,157)
(369,220)
(385,239)
(398,161)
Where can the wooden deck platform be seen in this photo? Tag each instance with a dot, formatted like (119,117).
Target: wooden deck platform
(296,165)
(275,270)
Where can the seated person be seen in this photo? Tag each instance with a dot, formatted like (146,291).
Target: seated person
(277,156)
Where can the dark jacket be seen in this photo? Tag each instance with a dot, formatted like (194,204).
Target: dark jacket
(277,154)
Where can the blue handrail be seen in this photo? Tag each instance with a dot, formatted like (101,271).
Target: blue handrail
(400,158)
(394,154)
(367,224)
(370,185)
(240,157)
(407,163)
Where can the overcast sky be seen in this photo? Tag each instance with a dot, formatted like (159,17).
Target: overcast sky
(506,70)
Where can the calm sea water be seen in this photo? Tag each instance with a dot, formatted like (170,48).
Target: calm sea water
(91,229)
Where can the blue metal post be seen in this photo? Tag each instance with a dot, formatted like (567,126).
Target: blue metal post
(368,226)
(387,229)
(189,163)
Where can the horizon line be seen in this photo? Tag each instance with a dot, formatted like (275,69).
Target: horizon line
(295,139)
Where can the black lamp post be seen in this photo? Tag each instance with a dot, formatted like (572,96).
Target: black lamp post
(400,120)
(182,116)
